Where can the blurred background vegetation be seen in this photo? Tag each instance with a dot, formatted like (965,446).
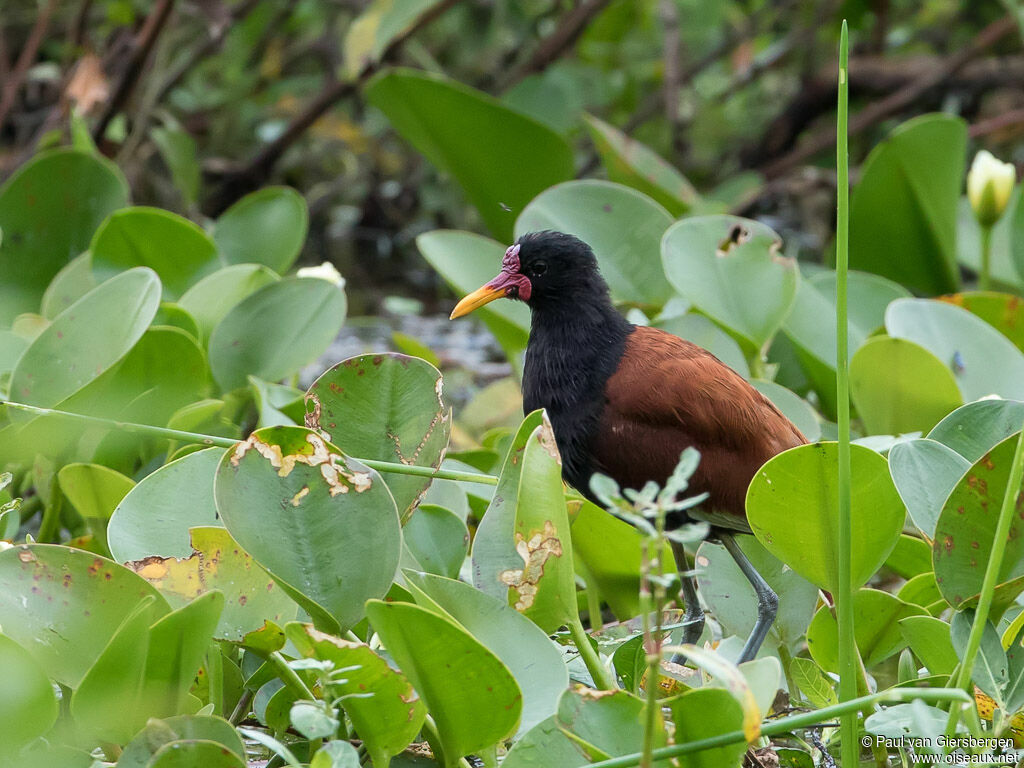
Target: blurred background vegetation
(202,101)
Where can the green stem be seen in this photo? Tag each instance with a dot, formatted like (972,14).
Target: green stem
(215,678)
(984,276)
(290,677)
(848,662)
(590,657)
(652,655)
(593,595)
(988,585)
(195,438)
(786,724)
(242,707)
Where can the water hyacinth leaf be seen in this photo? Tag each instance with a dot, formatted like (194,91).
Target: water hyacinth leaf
(251,597)
(49,209)
(154,518)
(703,713)
(534,661)
(522,552)
(174,316)
(732,601)
(28,706)
(286,484)
(706,334)
(214,296)
(610,549)
(878,631)
(156,734)
(929,639)
(923,590)
(731,270)
(94,490)
(983,361)
(389,719)
(812,682)
(438,539)
(275,331)
(636,165)
(69,285)
(966,529)
(87,339)
(388,407)
(265,227)
(469,692)
(898,386)
(906,204)
(192,752)
(791,507)
(108,702)
(272,398)
(924,471)
(916,719)
(974,429)
(991,666)
(912,556)
(623,226)
(370,34)
(466,261)
(1000,310)
(436,114)
(66,639)
(176,249)
(179,153)
(335,754)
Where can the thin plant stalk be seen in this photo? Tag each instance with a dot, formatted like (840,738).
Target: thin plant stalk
(784,725)
(848,661)
(196,438)
(651,601)
(988,584)
(985,275)
(602,679)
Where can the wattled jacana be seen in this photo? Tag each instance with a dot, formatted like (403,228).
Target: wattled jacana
(626,400)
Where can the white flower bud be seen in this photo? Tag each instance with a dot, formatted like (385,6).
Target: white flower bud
(989,186)
(325,271)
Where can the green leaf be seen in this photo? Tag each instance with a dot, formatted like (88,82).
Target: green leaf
(636,165)
(878,633)
(28,706)
(911,557)
(899,387)
(390,718)
(991,667)
(178,150)
(703,713)
(728,593)
(155,516)
(374,30)
(965,532)
(1000,310)
(741,283)
(69,285)
(49,209)
(172,246)
(157,733)
(974,429)
(813,684)
(265,227)
(511,159)
(466,261)
(387,407)
(251,597)
(791,507)
(983,361)
(924,472)
(94,491)
(210,299)
(929,639)
(623,226)
(903,212)
(324,526)
(66,638)
(438,539)
(312,721)
(193,752)
(335,754)
(534,661)
(522,551)
(86,339)
(275,331)
(469,692)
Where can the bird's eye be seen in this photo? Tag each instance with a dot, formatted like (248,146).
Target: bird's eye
(538,269)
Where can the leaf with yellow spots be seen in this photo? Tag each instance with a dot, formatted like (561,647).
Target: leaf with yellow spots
(218,562)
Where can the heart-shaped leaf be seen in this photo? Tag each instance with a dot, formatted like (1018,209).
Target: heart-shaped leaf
(974,429)
(266,227)
(924,472)
(214,296)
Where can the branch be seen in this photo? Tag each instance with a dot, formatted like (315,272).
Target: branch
(238,183)
(154,24)
(894,102)
(12,83)
(1012,119)
(552,47)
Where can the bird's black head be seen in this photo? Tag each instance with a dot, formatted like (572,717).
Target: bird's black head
(546,270)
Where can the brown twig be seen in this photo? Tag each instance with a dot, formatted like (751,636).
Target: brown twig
(12,84)
(80,24)
(552,47)
(894,102)
(671,82)
(1011,119)
(154,24)
(239,183)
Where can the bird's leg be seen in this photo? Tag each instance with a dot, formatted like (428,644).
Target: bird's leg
(693,616)
(767,600)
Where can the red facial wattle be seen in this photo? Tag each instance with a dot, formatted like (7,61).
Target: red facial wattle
(514,283)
